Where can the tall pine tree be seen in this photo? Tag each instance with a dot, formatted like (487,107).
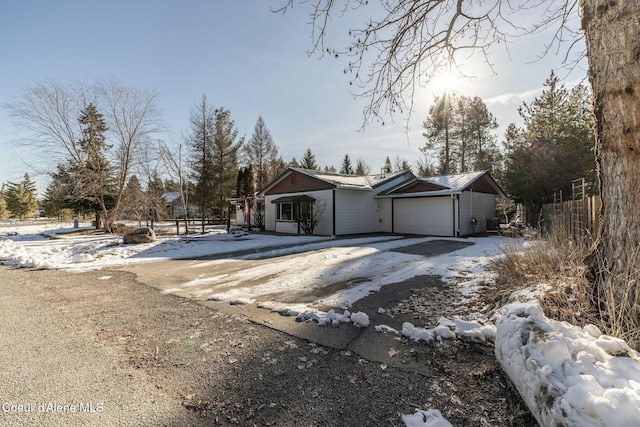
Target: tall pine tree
(226,146)
(262,154)
(245,185)
(347,167)
(388,167)
(458,130)
(554,147)
(308,160)
(96,173)
(200,141)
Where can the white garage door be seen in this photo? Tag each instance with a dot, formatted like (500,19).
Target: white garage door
(431,216)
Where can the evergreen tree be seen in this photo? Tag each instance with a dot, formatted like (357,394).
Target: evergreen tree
(438,132)
(478,124)
(346,168)
(554,148)
(262,154)
(309,160)
(171,186)
(67,190)
(21,197)
(388,167)
(226,146)
(245,186)
(401,165)
(95,173)
(154,207)
(294,163)
(200,141)
(330,169)
(461,142)
(459,130)
(134,200)
(425,166)
(4,212)
(517,180)
(361,168)
(51,202)
(559,132)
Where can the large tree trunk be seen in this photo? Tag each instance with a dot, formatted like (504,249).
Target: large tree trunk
(613,49)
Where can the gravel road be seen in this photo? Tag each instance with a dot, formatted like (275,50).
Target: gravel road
(101,348)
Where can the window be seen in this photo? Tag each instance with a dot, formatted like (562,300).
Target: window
(285,212)
(291,211)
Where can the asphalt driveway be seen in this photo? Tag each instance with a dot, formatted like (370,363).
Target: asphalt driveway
(346,270)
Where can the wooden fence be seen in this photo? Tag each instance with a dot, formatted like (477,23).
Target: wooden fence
(580,218)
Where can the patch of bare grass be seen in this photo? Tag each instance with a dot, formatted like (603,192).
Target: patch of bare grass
(557,261)
(618,303)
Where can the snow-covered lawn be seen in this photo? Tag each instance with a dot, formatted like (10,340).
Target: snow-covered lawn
(566,374)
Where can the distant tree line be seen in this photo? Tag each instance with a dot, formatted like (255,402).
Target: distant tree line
(109,164)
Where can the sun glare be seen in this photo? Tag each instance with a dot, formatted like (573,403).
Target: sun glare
(444,82)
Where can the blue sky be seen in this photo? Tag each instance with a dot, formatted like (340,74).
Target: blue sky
(244,58)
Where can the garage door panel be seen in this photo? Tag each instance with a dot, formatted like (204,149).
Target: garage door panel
(430,216)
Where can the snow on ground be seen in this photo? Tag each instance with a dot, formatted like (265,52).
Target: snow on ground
(363,265)
(567,375)
(50,246)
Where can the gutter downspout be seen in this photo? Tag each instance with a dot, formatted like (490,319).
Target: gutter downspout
(333,193)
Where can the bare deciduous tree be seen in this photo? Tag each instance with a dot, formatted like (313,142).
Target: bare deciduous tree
(133,118)
(49,112)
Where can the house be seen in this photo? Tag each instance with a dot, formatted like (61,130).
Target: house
(174,206)
(395,202)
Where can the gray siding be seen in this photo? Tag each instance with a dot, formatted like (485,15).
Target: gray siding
(355,212)
(482,206)
(384,216)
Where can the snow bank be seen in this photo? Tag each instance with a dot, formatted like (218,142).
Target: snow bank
(568,375)
(430,418)
(473,330)
(331,317)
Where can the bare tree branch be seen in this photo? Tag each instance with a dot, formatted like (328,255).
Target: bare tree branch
(412,41)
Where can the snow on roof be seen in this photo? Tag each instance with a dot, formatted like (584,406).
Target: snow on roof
(364,182)
(339,180)
(170,197)
(447,184)
(457,182)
